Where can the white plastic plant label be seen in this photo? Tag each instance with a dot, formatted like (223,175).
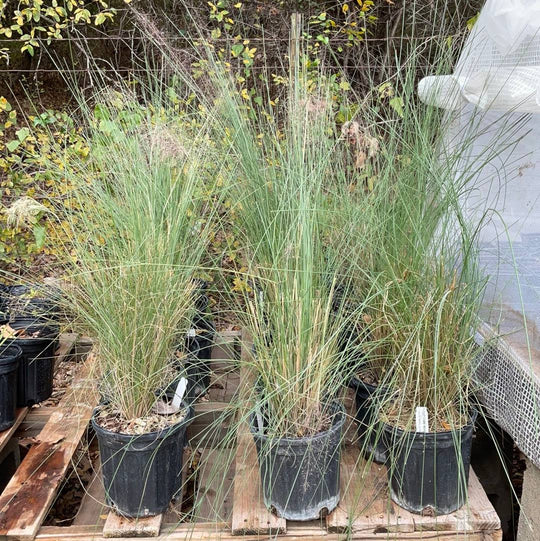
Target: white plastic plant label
(422,422)
(179,393)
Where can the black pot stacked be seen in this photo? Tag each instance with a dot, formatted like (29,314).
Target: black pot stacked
(10,356)
(34,315)
(198,349)
(429,472)
(368,399)
(38,303)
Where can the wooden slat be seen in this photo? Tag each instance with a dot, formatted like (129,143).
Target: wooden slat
(366,507)
(93,510)
(6,435)
(250,515)
(213,501)
(31,491)
(117,526)
(484,516)
(221,532)
(66,342)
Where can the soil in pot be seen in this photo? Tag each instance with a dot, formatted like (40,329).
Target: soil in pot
(38,343)
(368,397)
(429,471)
(141,472)
(10,356)
(300,476)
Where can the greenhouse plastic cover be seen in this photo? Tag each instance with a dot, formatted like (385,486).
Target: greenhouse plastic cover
(496,83)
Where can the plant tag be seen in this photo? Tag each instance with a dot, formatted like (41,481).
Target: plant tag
(191,333)
(259,420)
(179,393)
(422,423)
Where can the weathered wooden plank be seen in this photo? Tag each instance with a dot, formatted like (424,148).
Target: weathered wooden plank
(6,435)
(364,505)
(250,515)
(93,510)
(66,342)
(224,351)
(214,497)
(117,526)
(484,516)
(221,531)
(30,493)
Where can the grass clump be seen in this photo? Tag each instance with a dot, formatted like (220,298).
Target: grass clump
(138,245)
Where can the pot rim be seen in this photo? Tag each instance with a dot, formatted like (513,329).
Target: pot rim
(337,424)
(389,428)
(51,331)
(356,382)
(10,358)
(156,434)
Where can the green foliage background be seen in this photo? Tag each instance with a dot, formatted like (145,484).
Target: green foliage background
(251,37)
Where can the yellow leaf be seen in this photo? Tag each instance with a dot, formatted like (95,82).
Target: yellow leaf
(345,8)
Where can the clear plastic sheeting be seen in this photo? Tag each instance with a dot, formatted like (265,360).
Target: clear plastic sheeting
(493,98)
(499,68)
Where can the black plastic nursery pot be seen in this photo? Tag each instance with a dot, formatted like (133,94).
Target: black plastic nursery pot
(368,398)
(300,476)
(9,364)
(429,472)
(36,365)
(199,348)
(20,303)
(142,473)
(201,302)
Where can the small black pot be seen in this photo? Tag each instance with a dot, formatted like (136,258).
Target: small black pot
(36,365)
(199,348)
(429,472)
(44,307)
(9,364)
(300,476)
(368,398)
(201,302)
(141,474)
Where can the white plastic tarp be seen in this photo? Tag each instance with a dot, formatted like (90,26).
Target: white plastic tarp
(494,90)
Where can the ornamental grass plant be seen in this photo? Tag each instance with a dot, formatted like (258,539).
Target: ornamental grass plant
(139,239)
(422,258)
(288,186)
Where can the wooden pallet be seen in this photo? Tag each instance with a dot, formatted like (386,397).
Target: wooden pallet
(365,508)
(26,499)
(227,490)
